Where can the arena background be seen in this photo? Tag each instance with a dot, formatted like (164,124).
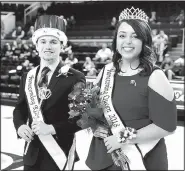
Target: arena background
(86,35)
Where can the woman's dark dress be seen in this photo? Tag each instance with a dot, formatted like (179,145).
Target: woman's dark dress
(138,106)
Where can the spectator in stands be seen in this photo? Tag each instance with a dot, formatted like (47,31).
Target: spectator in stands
(71,21)
(71,60)
(154,41)
(89,67)
(104,54)
(7,54)
(153,18)
(161,43)
(178,68)
(30,32)
(92,72)
(26,66)
(6,48)
(167,66)
(14,45)
(34,58)
(180,18)
(31,46)
(67,48)
(68,22)
(88,64)
(18,33)
(180,61)
(113,23)
(17,47)
(65,21)
(154,33)
(25,47)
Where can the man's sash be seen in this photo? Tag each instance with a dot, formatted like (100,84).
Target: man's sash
(47,140)
(135,153)
(71,155)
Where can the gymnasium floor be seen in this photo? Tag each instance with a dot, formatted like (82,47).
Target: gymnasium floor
(12,148)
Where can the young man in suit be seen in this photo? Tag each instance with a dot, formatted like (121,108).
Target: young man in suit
(41,114)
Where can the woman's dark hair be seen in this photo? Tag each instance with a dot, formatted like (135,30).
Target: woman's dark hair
(147,55)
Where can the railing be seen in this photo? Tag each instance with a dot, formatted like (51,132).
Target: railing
(33,7)
(30,10)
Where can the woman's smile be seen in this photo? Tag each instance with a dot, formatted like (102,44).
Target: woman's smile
(128,49)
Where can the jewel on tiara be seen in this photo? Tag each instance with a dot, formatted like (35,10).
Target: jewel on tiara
(133,13)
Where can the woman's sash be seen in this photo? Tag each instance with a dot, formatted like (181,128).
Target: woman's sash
(135,153)
(47,140)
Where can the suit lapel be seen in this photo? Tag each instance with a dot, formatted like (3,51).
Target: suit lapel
(54,78)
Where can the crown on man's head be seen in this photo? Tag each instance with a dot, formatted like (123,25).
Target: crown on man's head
(50,25)
(133,13)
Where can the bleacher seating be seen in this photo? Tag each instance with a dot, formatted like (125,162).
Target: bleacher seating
(93,21)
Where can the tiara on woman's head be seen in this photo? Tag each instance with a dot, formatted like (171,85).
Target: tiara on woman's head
(133,13)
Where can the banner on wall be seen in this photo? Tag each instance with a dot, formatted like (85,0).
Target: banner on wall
(178,87)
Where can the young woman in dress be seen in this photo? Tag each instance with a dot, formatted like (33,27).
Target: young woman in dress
(139,96)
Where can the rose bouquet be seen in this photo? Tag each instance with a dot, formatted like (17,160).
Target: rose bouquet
(86,109)
(84,105)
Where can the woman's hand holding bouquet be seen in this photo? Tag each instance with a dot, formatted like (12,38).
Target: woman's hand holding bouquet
(86,108)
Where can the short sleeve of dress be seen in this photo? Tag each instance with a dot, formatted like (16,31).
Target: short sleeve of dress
(162,112)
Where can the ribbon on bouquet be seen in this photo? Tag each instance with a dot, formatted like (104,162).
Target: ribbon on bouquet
(35,109)
(135,153)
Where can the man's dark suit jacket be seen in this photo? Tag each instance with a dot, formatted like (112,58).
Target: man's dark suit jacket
(55,111)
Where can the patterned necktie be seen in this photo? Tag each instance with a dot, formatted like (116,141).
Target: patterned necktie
(43,82)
